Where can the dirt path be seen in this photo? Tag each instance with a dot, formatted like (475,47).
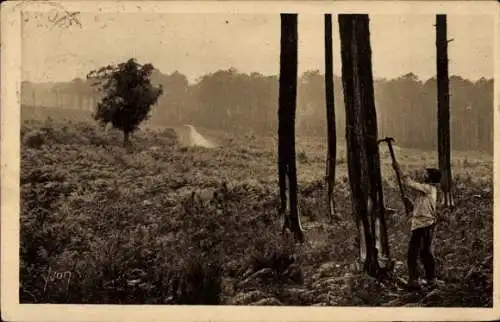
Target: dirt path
(196,139)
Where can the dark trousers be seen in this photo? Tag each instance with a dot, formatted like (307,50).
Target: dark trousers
(420,246)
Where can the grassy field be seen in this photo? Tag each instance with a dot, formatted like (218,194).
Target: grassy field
(165,223)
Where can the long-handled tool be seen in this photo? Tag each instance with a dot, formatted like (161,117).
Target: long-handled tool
(389,141)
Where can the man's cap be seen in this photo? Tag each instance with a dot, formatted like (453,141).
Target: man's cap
(434,175)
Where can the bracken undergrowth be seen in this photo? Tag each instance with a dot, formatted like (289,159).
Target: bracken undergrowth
(163,223)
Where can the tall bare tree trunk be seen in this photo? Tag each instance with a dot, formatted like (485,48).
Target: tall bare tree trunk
(444,151)
(286,125)
(330,116)
(362,149)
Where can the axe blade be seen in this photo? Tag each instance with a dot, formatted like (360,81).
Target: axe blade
(387,139)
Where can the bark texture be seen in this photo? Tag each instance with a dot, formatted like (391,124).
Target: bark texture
(443,103)
(287,169)
(362,149)
(330,116)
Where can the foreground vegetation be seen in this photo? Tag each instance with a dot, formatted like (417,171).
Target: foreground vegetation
(165,223)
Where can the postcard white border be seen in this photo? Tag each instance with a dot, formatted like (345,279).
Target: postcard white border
(10,160)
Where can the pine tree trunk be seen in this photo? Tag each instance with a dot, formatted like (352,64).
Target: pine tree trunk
(444,151)
(362,149)
(286,125)
(330,116)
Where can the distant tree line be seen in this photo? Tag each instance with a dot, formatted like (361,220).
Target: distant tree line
(234,101)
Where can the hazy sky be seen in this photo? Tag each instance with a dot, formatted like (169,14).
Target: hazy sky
(195,44)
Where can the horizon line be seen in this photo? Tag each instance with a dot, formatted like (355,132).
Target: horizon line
(197,78)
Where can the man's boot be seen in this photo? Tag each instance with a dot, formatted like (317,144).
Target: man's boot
(433,283)
(413,284)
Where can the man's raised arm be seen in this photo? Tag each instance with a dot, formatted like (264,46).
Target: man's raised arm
(409,182)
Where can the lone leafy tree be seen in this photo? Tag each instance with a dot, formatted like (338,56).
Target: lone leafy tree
(128,95)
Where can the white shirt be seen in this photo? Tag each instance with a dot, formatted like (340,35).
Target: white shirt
(424,205)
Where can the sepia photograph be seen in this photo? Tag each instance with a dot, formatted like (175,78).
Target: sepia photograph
(322,156)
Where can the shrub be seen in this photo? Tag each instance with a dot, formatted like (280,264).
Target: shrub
(302,157)
(197,281)
(34,139)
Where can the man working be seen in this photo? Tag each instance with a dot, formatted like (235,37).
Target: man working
(423,222)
